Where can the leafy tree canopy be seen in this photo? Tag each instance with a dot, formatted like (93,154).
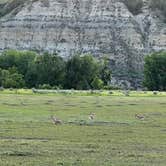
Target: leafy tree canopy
(155,71)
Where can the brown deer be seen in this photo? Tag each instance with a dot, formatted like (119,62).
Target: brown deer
(140,117)
(55,120)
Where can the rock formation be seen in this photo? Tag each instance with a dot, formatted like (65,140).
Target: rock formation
(99,27)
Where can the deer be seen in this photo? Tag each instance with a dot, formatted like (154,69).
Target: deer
(92,116)
(55,120)
(140,117)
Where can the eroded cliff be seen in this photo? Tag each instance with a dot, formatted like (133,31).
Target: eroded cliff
(100,27)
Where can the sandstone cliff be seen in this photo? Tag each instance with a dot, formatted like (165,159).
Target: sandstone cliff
(100,27)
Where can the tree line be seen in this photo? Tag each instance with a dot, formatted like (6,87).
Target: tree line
(28,69)
(25,69)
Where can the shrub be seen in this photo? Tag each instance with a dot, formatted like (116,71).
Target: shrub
(97,83)
(19,59)
(11,79)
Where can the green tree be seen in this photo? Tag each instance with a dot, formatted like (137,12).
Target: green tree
(31,75)
(50,69)
(23,61)
(11,78)
(97,83)
(19,59)
(105,71)
(155,71)
(80,72)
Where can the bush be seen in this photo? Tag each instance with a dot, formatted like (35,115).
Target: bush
(18,59)
(134,6)
(97,83)
(11,79)
(155,71)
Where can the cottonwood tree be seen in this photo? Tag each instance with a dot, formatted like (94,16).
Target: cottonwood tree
(155,71)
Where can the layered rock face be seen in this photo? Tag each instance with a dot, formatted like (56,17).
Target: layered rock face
(99,27)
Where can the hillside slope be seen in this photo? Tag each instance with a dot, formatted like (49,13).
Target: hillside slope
(100,27)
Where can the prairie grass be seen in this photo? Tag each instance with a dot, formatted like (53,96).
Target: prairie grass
(114,138)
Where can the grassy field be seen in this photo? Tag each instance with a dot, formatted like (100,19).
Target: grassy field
(114,138)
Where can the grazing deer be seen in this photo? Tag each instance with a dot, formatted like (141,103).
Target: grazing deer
(140,117)
(92,116)
(55,120)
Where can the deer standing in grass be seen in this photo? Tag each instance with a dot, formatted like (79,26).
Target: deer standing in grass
(92,116)
(55,120)
(140,117)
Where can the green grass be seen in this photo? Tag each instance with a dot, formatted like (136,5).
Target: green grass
(115,138)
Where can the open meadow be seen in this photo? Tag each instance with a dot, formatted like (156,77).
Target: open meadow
(115,137)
